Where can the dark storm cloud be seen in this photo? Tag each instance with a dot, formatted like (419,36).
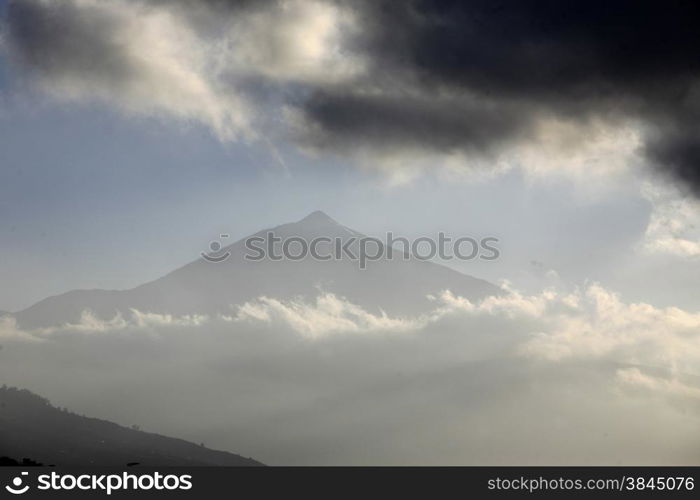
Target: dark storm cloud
(574,59)
(60,41)
(448,124)
(678,152)
(541,48)
(434,75)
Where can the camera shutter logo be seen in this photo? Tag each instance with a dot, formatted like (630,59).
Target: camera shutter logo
(16,487)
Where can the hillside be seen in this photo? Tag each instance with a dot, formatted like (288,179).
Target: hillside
(30,427)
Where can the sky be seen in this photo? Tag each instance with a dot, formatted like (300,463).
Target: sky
(135,132)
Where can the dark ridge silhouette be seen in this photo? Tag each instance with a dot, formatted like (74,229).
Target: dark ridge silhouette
(31,427)
(25,462)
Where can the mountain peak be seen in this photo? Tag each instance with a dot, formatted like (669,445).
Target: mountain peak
(396,286)
(318,217)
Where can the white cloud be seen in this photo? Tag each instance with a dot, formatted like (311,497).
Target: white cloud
(635,379)
(292,41)
(598,325)
(89,323)
(674,226)
(329,315)
(142,59)
(590,324)
(9,331)
(153,59)
(594,152)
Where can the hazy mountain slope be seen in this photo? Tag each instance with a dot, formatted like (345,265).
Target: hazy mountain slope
(396,286)
(31,427)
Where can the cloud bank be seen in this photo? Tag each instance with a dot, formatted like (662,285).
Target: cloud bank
(461,84)
(593,323)
(557,377)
